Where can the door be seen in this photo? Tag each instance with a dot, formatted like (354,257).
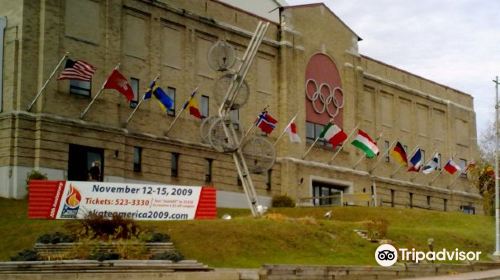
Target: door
(327,194)
(80,161)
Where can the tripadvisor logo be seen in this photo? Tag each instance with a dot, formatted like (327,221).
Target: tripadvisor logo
(387,255)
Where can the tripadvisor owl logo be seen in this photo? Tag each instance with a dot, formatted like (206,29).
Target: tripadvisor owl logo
(386,255)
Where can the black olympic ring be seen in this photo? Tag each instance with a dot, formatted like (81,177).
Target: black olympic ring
(338,103)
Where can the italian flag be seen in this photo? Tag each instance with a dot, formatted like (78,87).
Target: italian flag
(333,134)
(366,144)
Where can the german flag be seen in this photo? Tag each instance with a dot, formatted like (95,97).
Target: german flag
(399,154)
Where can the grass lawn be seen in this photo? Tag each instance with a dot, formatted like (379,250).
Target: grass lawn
(287,235)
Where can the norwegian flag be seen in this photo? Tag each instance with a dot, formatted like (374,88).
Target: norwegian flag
(265,122)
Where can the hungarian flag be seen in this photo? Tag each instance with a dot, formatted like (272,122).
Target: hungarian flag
(265,122)
(192,105)
(452,167)
(365,144)
(333,134)
(118,82)
(399,154)
(292,132)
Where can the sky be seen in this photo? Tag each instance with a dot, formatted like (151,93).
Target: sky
(452,42)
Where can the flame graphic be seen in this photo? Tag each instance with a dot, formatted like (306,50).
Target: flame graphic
(74,197)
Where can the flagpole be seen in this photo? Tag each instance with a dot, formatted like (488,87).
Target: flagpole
(184,106)
(399,168)
(308,150)
(364,155)
(140,102)
(440,171)
(424,164)
(458,176)
(82,115)
(251,129)
(284,130)
(46,82)
(343,143)
(435,177)
(384,155)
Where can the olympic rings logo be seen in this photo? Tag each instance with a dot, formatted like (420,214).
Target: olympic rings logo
(331,101)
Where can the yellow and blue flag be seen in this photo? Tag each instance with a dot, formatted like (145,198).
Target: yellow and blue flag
(166,103)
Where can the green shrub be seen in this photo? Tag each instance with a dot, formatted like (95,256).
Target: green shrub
(104,256)
(26,255)
(158,237)
(169,255)
(282,201)
(54,238)
(35,175)
(95,226)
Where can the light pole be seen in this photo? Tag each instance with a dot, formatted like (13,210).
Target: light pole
(497,189)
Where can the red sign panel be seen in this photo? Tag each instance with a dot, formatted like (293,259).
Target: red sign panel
(324,94)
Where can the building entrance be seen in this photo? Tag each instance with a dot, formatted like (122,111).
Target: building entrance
(85,163)
(327,193)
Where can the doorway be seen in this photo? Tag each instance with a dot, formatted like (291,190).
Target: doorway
(80,161)
(327,193)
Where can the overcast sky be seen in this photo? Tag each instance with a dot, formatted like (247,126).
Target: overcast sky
(453,42)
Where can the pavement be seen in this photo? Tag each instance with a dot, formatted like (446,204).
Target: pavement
(478,275)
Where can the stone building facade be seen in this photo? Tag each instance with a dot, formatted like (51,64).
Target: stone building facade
(309,45)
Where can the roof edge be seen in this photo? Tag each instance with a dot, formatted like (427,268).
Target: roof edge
(328,9)
(415,75)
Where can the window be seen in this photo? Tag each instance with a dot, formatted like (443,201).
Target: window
(235,118)
(204,106)
(134,83)
(82,88)
(387,146)
(392,197)
(411,200)
(137,159)
(174,165)
(423,155)
(171,93)
(313,130)
(468,209)
(445,205)
(238,181)
(463,165)
(208,174)
(406,148)
(439,161)
(268,181)
(428,201)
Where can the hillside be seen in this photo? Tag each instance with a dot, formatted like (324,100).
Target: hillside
(293,236)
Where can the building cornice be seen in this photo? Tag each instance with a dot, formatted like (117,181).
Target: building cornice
(376,178)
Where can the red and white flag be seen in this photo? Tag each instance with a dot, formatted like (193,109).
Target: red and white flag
(452,167)
(292,132)
(118,82)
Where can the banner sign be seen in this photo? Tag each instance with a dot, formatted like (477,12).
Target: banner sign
(74,199)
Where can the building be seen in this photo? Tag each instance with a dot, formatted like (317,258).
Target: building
(172,38)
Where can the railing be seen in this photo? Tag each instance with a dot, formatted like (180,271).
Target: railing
(342,199)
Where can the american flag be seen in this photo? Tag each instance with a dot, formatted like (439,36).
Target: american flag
(77,70)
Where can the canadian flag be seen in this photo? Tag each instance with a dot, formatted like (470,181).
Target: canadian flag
(292,132)
(117,81)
